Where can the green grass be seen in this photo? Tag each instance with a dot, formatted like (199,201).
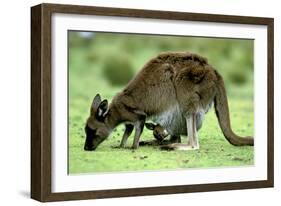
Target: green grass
(86,79)
(214,150)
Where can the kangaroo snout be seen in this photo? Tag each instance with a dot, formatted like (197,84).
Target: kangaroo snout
(87,148)
(89,143)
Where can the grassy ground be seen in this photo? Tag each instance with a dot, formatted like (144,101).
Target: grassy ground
(86,79)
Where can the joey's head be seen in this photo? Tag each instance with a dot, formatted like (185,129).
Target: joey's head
(158,131)
(96,128)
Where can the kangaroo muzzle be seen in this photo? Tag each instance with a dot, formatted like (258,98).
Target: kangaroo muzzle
(90,135)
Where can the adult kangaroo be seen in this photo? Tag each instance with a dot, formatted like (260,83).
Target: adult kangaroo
(172,81)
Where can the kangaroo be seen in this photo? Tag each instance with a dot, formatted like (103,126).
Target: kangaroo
(159,132)
(173,124)
(180,80)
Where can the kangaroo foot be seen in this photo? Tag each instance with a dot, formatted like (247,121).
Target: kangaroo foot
(177,146)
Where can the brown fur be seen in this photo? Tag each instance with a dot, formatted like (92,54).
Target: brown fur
(171,78)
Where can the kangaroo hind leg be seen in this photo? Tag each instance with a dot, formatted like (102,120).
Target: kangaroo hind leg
(192,131)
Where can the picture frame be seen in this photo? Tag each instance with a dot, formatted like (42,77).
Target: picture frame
(42,164)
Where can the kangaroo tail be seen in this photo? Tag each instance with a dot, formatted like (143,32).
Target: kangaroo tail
(222,112)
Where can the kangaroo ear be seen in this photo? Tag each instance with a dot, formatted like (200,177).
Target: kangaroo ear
(150,126)
(102,109)
(96,102)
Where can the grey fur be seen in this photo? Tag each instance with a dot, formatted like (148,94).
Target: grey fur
(174,121)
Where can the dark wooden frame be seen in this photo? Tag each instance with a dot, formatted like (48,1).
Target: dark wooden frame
(41,101)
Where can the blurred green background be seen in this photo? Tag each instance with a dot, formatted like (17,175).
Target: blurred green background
(105,62)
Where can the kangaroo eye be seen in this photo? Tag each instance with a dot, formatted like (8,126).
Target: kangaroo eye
(89,130)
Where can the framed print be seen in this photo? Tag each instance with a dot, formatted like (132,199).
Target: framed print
(130,102)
